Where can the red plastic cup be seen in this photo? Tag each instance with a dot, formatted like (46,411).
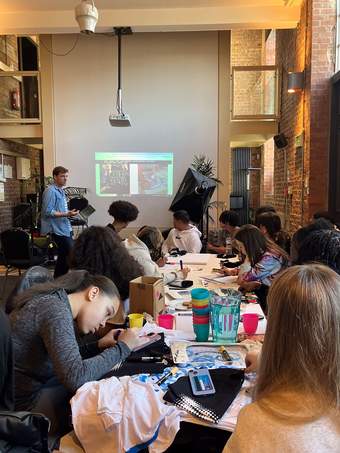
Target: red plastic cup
(166,321)
(201,320)
(250,323)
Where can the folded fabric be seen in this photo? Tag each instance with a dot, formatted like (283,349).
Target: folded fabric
(227,383)
(119,415)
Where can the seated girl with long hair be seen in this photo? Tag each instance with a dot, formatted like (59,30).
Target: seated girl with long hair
(146,248)
(45,323)
(263,259)
(296,404)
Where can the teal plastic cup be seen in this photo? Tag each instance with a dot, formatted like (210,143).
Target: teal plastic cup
(201,331)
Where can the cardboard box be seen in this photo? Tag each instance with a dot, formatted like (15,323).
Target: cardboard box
(147,295)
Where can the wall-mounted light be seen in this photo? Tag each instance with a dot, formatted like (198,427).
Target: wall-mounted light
(296,82)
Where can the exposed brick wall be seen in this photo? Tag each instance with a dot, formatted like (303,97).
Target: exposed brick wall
(247,50)
(301,185)
(323,67)
(267,164)
(246,47)
(15,190)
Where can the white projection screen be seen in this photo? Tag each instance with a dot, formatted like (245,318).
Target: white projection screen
(171,95)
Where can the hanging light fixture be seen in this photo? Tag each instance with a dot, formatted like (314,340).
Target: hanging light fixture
(296,82)
(120,119)
(86,15)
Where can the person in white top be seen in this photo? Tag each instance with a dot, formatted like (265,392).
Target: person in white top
(145,248)
(183,236)
(296,404)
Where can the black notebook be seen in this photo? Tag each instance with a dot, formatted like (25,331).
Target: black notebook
(132,366)
(211,408)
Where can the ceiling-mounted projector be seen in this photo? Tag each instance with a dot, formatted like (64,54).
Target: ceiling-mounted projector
(86,15)
(120,119)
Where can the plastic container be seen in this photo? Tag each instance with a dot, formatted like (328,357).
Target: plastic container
(201,331)
(200,320)
(200,296)
(250,323)
(136,320)
(225,316)
(166,321)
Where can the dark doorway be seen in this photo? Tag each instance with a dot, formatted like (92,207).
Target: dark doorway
(334,152)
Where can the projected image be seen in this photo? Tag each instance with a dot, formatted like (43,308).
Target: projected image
(126,174)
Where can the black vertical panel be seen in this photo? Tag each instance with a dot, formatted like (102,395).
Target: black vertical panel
(334,152)
(240,163)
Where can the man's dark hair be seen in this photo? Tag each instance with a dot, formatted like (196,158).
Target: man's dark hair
(322,246)
(59,170)
(100,250)
(182,216)
(230,217)
(262,210)
(123,211)
(271,221)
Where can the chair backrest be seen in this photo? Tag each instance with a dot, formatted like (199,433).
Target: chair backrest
(33,276)
(15,245)
(6,365)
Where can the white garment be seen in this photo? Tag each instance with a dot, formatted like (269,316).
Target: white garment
(188,240)
(293,430)
(114,415)
(140,252)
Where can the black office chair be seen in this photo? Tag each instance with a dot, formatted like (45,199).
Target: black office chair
(19,431)
(18,252)
(33,276)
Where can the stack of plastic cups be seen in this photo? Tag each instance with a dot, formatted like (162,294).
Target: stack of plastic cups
(201,313)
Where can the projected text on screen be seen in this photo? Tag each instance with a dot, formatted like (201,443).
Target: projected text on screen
(126,174)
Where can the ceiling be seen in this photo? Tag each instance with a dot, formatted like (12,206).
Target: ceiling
(59,5)
(57,16)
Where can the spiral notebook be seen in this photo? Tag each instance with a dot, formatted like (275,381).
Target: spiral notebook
(210,408)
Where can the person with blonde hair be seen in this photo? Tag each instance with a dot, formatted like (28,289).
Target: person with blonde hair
(296,406)
(146,249)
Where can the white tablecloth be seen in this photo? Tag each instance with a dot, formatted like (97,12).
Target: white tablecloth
(207,263)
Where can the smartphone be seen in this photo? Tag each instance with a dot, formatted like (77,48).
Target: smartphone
(201,382)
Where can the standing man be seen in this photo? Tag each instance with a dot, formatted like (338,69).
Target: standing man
(55,218)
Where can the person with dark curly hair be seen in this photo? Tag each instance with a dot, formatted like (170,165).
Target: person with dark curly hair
(301,234)
(99,250)
(123,213)
(322,246)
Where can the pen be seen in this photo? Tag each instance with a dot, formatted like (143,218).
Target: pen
(173,371)
(145,359)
